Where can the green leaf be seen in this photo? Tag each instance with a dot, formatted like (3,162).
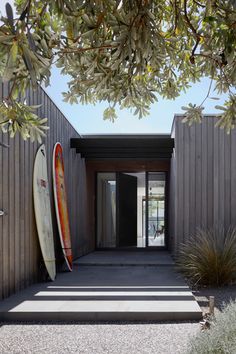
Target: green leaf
(10,17)
(89,34)
(31,42)
(10,66)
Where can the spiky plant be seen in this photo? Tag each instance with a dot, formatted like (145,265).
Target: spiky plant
(209,257)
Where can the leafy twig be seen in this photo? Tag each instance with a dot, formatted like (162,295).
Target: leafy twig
(40,14)
(208,93)
(78,50)
(198,3)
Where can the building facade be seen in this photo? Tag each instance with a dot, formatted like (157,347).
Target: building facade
(132,191)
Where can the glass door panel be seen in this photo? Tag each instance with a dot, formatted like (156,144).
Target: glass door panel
(106,210)
(156,185)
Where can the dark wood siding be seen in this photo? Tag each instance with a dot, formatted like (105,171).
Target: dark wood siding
(20,257)
(203,179)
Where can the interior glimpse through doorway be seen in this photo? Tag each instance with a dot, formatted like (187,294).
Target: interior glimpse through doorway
(131,209)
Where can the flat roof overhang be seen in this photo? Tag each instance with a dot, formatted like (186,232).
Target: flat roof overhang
(124,146)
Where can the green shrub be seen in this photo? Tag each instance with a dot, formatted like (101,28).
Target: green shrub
(221,337)
(209,257)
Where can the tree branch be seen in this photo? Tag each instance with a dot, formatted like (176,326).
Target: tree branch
(193,51)
(198,3)
(4,145)
(208,93)
(12,88)
(81,50)
(207,56)
(176,15)
(194,31)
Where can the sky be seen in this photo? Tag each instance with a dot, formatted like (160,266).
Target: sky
(88,119)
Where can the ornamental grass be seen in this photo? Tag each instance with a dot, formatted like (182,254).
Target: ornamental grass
(208,258)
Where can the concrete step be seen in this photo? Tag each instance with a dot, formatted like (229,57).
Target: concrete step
(103,311)
(80,303)
(128,294)
(65,300)
(125,258)
(102,293)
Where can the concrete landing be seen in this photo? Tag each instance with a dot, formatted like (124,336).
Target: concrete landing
(103,293)
(128,258)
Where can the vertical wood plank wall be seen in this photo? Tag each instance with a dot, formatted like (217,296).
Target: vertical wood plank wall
(20,258)
(202,180)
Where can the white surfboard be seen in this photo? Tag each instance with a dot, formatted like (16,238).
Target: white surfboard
(42,209)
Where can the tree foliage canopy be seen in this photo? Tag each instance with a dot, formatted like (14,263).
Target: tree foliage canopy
(124,52)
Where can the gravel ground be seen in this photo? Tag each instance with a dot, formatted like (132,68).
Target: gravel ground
(163,338)
(222,297)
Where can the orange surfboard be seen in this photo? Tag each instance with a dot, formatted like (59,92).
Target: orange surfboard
(61,204)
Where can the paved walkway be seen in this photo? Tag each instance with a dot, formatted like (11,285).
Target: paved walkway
(129,258)
(107,293)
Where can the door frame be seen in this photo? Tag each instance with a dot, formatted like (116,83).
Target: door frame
(166,174)
(147,247)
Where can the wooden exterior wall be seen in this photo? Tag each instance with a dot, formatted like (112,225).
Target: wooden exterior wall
(202,179)
(20,258)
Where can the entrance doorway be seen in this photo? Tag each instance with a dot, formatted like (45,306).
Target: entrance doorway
(131,209)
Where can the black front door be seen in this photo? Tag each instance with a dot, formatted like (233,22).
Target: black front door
(126,210)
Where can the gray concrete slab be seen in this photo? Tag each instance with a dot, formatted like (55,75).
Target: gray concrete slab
(125,257)
(102,293)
